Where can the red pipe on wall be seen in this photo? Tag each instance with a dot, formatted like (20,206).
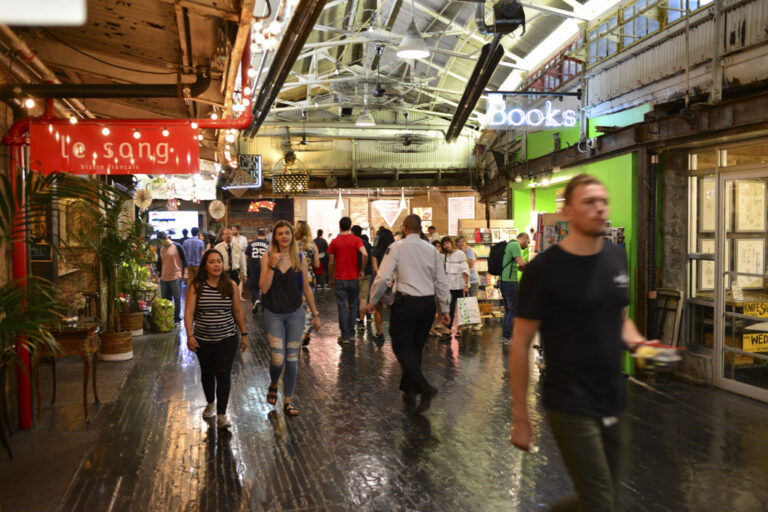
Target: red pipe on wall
(16,139)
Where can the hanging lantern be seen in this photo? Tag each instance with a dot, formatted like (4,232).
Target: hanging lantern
(289,176)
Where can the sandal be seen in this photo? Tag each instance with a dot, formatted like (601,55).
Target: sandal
(272,395)
(290,410)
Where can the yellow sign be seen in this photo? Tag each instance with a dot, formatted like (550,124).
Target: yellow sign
(758,309)
(757,342)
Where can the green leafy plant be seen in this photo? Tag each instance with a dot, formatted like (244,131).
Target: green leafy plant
(30,308)
(115,240)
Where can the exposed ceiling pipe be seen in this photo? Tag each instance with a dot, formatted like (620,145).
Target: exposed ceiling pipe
(490,57)
(482,27)
(19,73)
(296,34)
(38,65)
(178,90)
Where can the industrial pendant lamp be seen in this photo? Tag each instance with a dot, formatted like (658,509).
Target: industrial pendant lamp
(365,119)
(402,204)
(412,46)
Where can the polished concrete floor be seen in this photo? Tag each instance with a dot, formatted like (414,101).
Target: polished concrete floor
(357,447)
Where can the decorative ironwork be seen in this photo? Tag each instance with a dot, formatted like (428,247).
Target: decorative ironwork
(290,176)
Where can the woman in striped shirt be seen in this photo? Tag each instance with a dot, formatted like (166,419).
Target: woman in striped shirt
(212,310)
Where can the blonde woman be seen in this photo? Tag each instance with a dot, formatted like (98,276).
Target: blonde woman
(283,280)
(307,247)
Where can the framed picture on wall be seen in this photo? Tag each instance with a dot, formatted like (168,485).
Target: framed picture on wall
(750,206)
(750,259)
(706,270)
(707,206)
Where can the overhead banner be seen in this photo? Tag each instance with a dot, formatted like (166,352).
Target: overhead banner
(103,149)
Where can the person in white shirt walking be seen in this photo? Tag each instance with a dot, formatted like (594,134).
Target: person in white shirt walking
(457,270)
(420,277)
(233,257)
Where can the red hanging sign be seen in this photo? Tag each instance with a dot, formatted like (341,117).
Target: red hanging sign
(103,149)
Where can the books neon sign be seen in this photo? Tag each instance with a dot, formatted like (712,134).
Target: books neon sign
(547,117)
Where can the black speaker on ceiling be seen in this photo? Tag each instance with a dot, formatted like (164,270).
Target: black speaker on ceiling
(508,16)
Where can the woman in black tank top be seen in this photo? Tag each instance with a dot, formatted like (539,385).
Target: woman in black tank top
(283,280)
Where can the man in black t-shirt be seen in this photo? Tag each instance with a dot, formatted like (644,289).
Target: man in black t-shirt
(575,294)
(253,252)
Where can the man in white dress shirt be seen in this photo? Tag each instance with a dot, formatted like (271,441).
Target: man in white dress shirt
(420,277)
(233,257)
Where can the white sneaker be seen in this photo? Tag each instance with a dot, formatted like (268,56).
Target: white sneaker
(210,410)
(222,422)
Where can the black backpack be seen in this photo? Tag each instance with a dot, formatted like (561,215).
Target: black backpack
(496,258)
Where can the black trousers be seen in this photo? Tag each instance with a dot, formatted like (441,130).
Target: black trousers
(216,368)
(455,295)
(234,275)
(409,326)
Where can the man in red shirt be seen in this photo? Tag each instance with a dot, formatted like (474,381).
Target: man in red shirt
(344,277)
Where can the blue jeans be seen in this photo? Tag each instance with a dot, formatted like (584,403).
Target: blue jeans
(509,294)
(284,335)
(172,290)
(347,291)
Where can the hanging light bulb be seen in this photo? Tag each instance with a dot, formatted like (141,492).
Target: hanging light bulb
(136,134)
(545,181)
(251,72)
(254,48)
(214,115)
(29,103)
(105,131)
(403,204)
(339,202)
(227,154)
(246,102)
(518,178)
(72,119)
(166,132)
(193,125)
(227,147)
(200,137)
(230,138)
(275,27)
(259,37)
(247,91)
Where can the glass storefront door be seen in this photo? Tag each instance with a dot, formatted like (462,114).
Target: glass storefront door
(741,281)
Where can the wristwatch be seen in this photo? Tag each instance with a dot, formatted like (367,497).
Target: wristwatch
(243,334)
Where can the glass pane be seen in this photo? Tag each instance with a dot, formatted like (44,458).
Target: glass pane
(703,160)
(745,340)
(747,155)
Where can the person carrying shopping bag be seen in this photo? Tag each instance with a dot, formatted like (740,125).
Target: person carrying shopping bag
(457,270)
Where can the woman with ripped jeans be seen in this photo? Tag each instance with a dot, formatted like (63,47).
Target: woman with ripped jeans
(283,280)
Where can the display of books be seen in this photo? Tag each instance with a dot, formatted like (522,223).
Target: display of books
(482,250)
(486,237)
(481,265)
(491,280)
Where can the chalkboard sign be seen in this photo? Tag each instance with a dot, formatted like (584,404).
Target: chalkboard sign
(41,252)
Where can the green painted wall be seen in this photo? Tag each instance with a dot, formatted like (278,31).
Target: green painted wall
(620,178)
(543,143)
(521,206)
(545,199)
(624,118)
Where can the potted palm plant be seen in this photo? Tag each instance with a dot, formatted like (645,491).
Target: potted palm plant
(114,239)
(134,278)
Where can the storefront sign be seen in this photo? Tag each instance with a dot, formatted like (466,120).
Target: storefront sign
(758,309)
(546,117)
(103,149)
(256,206)
(756,342)
(252,165)
(389,209)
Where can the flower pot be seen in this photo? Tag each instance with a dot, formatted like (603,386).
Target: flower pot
(133,322)
(116,346)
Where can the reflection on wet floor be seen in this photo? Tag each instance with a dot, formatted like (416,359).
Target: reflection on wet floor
(356,445)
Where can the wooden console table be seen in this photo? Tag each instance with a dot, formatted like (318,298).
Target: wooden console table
(80,341)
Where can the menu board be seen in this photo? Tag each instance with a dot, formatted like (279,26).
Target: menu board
(459,208)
